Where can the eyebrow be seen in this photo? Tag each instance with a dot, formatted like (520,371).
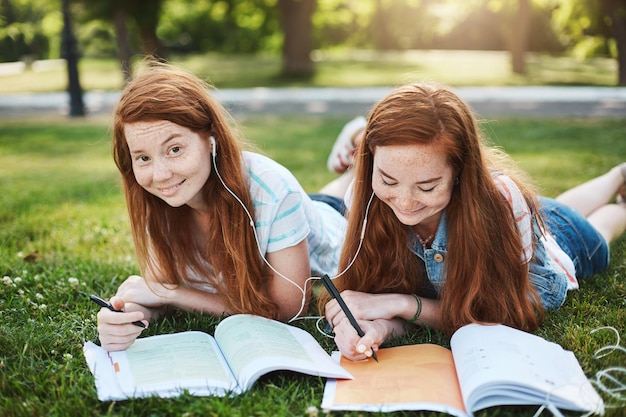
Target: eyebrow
(168,139)
(428,181)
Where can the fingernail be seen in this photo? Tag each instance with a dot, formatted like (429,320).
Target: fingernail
(361,348)
(368,353)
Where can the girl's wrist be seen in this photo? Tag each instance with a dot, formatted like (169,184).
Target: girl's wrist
(407,307)
(418,309)
(171,295)
(389,329)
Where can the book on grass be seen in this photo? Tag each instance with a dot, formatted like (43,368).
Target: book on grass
(244,348)
(486,366)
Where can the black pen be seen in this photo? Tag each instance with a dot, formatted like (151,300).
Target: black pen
(330,287)
(108,305)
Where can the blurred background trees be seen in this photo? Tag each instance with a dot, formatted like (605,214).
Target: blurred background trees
(31,29)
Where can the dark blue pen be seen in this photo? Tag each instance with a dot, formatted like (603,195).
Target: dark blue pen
(332,290)
(108,305)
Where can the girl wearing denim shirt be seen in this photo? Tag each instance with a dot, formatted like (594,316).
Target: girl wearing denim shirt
(454,233)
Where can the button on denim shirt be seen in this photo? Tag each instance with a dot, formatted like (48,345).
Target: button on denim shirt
(545,275)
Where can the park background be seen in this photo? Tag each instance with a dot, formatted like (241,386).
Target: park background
(63,227)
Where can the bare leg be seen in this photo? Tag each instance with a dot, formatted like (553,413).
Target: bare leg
(340,159)
(593,198)
(339,185)
(593,194)
(341,155)
(609,220)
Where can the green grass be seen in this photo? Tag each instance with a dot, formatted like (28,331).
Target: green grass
(64,235)
(341,68)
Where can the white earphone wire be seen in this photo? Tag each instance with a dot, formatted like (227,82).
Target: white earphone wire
(258,244)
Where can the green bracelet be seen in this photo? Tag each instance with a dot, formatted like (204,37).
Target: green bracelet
(418,311)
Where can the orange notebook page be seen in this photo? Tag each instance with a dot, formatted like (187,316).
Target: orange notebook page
(404,374)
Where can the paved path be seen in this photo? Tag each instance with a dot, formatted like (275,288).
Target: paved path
(486,101)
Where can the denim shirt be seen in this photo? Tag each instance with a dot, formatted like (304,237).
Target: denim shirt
(545,275)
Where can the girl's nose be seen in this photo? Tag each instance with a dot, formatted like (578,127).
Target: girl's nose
(405,199)
(161,171)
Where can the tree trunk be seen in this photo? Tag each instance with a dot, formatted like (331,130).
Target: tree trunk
(70,53)
(123,47)
(146,14)
(518,38)
(7,12)
(380,28)
(616,11)
(296,17)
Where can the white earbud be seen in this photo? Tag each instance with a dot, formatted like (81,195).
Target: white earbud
(213,146)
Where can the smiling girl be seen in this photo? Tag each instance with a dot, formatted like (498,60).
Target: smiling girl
(217,229)
(454,234)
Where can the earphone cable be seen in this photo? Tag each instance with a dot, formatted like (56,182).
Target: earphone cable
(258,244)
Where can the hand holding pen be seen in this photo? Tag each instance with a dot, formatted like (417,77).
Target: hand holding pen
(106,304)
(334,293)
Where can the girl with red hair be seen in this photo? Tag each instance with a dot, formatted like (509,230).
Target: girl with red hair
(444,231)
(217,229)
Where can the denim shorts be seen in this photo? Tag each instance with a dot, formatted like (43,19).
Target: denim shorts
(335,202)
(576,236)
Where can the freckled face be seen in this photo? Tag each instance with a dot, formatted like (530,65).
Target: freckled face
(415,181)
(169,161)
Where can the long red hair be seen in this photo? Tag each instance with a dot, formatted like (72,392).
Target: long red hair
(486,280)
(163,234)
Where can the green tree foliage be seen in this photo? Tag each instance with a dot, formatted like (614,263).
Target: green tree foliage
(488,25)
(127,27)
(248,26)
(240,26)
(582,27)
(594,28)
(30,28)
(429,24)
(141,17)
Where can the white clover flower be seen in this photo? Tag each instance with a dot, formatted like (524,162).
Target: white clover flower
(73,281)
(39,296)
(311,411)
(17,280)
(68,357)
(42,307)
(7,280)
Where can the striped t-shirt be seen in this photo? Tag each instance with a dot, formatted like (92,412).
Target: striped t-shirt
(285,215)
(523,219)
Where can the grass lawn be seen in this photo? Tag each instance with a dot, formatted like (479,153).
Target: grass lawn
(337,68)
(64,234)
